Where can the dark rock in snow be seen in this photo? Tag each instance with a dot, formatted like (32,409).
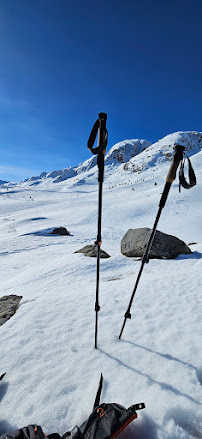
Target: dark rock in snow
(8,307)
(91,250)
(164,246)
(60,231)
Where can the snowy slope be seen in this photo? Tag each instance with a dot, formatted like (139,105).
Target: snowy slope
(47,348)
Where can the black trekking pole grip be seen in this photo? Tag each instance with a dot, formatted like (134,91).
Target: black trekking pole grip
(99,128)
(102,133)
(177,158)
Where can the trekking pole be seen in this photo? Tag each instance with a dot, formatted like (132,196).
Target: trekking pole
(177,158)
(99,128)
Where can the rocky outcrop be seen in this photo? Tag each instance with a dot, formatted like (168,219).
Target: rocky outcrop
(8,307)
(91,250)
(164,246)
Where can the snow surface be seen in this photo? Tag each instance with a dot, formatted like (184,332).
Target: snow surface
(47,347)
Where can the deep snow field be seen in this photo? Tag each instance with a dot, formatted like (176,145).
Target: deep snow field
(47,347)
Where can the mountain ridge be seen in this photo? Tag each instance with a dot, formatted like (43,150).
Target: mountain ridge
(162,150)
(132,155)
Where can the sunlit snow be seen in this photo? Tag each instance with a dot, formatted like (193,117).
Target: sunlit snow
(47,347)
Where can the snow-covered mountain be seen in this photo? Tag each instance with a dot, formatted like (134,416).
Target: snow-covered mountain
(134,155)
(122,152)
(162,150)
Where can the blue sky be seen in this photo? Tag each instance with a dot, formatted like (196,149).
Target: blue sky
(63,62)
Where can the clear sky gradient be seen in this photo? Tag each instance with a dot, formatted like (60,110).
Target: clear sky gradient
(63,62)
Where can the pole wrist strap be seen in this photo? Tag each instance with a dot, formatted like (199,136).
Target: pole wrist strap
(192,178)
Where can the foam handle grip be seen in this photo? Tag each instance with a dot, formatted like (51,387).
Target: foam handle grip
(172,172)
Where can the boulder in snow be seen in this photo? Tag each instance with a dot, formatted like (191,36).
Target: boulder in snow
(8,307)
(164,246)
(91,250)
(60,231)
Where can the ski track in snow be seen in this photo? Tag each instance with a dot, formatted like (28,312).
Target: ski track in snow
(47,347)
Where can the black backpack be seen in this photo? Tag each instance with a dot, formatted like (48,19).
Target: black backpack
(105,422)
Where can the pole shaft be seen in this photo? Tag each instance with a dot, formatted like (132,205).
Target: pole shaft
(100,163)
(144,260)
(99,130)
(96,327)
(97,306)
(169,179)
